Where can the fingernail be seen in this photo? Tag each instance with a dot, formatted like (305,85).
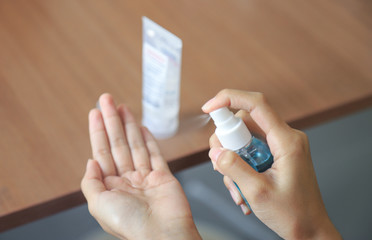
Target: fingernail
(234,197)
(98,106)
(244,208)
(214,153)
(207,104)
(89,162)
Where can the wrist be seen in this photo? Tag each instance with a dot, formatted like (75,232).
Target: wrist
(180,230)
(327,231)
(321,229)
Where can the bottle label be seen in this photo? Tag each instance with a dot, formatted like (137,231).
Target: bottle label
(155,65)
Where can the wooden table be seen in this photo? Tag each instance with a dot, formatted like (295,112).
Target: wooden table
(312,59)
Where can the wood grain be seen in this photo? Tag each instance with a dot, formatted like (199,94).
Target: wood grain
(312,59)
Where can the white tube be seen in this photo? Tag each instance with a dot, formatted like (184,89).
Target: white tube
(161,68)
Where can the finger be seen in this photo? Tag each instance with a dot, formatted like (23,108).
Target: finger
(245,209)
(251,124)
(236,196)
(91,184)
(234,192)
(157,160)
(214,142)
(140,156)
(230,164)
(213,154)
(116,183)
(100,145)
(255,103)
(115,131)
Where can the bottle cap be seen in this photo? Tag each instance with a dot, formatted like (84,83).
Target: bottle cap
(230,130)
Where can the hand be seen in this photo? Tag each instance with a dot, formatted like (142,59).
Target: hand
(285,197)
(129,187)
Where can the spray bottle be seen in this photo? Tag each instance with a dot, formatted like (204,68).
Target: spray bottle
(235,136)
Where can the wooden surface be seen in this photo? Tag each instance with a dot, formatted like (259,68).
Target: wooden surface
(312,59)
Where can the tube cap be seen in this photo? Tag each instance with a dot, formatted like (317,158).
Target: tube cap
(230,130)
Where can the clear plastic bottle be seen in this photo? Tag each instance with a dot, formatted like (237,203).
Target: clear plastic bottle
(234,135)
(257,154)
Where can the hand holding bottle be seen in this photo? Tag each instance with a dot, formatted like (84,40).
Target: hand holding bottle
(285,197)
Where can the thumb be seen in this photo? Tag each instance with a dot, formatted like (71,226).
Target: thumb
(230,164)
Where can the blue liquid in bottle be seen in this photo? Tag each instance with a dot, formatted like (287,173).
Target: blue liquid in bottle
(257,154)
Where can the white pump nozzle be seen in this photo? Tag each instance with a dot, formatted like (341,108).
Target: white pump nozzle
(230,130)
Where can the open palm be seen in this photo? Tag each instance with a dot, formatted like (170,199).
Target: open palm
(129,187)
